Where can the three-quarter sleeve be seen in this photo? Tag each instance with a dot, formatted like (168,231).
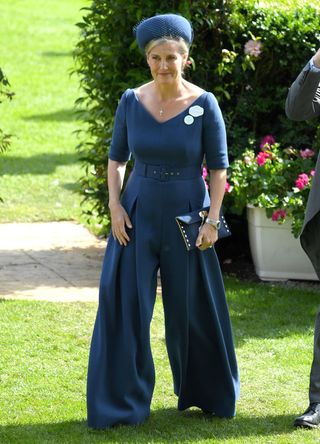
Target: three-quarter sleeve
(214,137)
(119,149)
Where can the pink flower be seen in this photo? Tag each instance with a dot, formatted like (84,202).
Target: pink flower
(302,181)
(312,173)
(247,160)
(228,187)
(253,48)
(267,140)
(279,215)
(262,157)
(204,172)
(306,153)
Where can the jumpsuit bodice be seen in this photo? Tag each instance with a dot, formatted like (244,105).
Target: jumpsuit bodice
(195,133)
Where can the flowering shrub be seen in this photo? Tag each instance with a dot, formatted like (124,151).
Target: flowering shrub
(276,179)
(205,175)
(253,48)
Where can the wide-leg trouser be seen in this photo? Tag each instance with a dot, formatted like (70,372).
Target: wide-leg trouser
(198,333)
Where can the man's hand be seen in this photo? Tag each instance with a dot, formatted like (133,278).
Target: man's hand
(316,59)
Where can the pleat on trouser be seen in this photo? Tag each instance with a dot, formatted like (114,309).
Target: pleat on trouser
(198,331)
(121,371)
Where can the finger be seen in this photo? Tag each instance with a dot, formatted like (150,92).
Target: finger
(127,221)
(199,240)
(210,241)
(119,239)
(122,241)
(117,233)
(122,236)
(125,235)
(206,243)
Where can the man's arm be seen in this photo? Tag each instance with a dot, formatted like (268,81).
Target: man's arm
(303,100)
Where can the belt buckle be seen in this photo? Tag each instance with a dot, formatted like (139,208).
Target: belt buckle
(164,174)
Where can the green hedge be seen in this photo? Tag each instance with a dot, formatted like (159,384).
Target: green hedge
(251,90)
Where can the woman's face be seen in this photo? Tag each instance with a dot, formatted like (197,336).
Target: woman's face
(166,63)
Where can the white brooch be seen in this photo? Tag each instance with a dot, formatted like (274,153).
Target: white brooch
(194,111)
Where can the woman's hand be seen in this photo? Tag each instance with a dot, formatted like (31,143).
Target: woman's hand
(208,235)
(119,221)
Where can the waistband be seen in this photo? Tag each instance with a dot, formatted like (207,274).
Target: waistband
(166,172)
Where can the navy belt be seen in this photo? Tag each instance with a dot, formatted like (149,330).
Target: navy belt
(166,172)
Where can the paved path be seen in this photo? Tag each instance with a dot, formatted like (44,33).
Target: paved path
(54,261)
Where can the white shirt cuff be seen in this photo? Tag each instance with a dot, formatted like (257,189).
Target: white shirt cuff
(313,66)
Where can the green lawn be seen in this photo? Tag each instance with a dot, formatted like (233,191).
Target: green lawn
(284,4)
(39,175)
(44,351)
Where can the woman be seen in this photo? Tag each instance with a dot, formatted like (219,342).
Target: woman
(168,125)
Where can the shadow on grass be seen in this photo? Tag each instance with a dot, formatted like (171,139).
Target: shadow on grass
(63,115)
(72,186)
(45,163)
(164,425)
(57,53)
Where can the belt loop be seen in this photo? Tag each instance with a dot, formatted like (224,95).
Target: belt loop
(141,168)
(145,169)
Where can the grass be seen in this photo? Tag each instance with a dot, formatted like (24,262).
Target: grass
(39,175)
(44,352)
(289,4)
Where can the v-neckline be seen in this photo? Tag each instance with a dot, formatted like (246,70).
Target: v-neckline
(171,118)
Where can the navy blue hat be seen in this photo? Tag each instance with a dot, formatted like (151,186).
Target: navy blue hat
(165,25)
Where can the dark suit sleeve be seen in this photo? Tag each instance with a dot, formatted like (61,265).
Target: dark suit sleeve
(303,100)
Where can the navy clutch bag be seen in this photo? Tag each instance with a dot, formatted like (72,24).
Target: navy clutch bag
(191,223)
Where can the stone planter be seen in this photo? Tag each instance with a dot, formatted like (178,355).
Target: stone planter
(276,254)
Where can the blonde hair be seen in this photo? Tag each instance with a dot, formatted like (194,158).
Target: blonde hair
(183,47)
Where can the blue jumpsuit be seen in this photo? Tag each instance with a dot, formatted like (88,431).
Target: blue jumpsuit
(166,181)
